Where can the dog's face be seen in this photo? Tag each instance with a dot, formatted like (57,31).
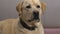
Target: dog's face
(30,10)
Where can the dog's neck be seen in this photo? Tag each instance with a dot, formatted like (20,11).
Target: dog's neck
(26,26)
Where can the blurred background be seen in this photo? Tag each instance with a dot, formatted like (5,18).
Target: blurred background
(51,17)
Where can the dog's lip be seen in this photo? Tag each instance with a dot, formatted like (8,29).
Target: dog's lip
(34,20)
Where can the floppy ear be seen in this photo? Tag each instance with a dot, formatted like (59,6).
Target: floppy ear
(43,6)
(19,6)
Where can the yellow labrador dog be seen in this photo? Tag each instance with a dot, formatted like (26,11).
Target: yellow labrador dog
(29,21)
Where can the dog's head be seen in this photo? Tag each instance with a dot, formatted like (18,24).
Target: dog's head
(30,10)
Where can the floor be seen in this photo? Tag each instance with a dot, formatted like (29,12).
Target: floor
(52,31)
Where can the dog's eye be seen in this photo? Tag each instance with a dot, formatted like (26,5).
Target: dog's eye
(28,6)
(38,6)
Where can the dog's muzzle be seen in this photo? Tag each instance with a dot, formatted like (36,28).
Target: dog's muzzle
(35,15)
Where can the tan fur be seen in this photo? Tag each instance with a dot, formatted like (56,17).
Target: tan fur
(43,7)
(12,26)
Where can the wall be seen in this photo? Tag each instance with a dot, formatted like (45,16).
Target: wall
(8,9)
(52,14)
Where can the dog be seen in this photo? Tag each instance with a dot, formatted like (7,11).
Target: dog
(29,20)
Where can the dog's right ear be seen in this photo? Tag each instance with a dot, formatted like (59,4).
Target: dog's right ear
(19,5)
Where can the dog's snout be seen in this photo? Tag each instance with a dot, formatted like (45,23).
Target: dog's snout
(36,15)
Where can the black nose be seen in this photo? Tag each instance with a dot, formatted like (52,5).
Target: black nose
(36,15)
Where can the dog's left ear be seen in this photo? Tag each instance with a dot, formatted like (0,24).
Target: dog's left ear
(43,6)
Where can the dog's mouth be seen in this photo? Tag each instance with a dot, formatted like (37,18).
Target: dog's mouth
(34,19)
